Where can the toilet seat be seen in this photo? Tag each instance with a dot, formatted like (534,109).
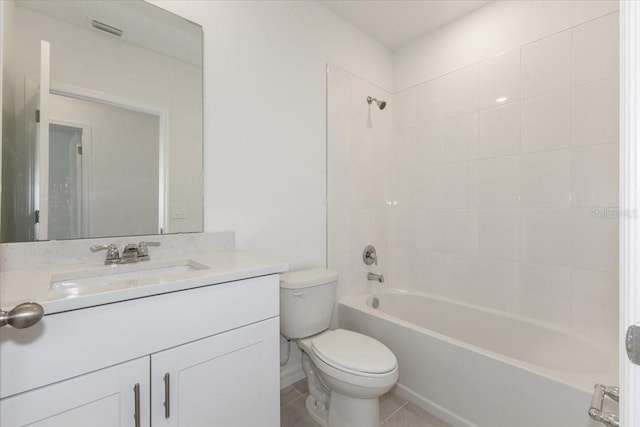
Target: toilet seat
(353,353)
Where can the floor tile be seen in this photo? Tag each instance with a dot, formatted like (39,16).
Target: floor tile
(410,415)
(288,395)
(390,403)
(293,413)
(301,386)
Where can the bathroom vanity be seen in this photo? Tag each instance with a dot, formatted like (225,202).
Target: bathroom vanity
(193,348)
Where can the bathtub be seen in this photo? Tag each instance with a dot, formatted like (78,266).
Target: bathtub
(476,367)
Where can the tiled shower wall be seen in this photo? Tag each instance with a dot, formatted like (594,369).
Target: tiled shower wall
(358,144)
(505,181)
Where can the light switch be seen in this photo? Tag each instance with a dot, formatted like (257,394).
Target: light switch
(179,211)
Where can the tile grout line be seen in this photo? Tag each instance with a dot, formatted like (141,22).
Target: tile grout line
(394,412)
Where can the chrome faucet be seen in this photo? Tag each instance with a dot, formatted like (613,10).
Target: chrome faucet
(130,253)
(376,277)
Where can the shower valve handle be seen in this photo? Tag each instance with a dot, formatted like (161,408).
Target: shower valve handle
(369,255)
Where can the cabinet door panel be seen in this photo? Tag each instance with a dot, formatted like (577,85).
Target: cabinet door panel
(102,398)
(230,379)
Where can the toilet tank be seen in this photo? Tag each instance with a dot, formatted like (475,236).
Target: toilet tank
(306,301)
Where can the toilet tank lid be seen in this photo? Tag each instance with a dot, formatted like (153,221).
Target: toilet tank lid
(307,278)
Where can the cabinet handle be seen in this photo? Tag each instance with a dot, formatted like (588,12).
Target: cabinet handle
(167,396)
(136,413)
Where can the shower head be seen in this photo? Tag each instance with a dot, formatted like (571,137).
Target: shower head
(380,104)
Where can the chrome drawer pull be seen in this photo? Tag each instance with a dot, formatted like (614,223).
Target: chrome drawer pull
(595,411)
(22,316)
(167,395)
(136,404)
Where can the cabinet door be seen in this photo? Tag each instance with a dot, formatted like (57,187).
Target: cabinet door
(105,398)
(230,379)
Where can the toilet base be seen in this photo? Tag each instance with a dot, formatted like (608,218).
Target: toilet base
(317,411)
(345,411)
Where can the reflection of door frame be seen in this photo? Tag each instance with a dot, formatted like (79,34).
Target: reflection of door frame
(162,112)
(87,176)
(629,205)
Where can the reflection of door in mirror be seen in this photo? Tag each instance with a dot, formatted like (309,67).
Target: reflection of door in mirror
(65,182)
(120,162)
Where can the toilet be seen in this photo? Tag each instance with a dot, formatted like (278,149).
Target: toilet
(346,371)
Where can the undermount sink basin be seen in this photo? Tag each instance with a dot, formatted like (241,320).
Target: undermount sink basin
(119,276)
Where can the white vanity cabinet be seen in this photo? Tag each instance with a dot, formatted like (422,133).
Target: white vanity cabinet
(199,357)
(106,398)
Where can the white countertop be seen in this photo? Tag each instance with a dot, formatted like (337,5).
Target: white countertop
(35,285)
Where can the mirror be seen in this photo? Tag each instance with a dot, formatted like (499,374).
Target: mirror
(101,120)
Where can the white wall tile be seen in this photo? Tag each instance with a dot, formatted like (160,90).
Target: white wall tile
(381,149)
(430,101)
(545,179)
(338,138)
(594,239)
(500,79)
(405,108)
(461,91)
(546,122)
(430,230)
(594,54)
(499,131)
(430,187)
(594,175)
(453,231)
(596,113)
(361,145)
(339,92)
(482,281)
(545,294)
(403,265)
(498,182)
(361,230)
(546,65)
(405,192)
(460,231)
(430,273)
(461,138)
(545,237)
(369,187)
(338,232)
(403,229)
(455,182)
(430,145)
(474,190)
(595,305)
(339,185)
(499,233)
(405,148)
(341,265)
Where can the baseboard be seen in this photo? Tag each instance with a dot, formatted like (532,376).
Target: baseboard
(290,375)
(433,408)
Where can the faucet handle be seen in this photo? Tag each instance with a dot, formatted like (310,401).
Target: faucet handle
(143,251)
(369,255)
(113,256)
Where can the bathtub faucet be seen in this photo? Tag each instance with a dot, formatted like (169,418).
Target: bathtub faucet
(376,277)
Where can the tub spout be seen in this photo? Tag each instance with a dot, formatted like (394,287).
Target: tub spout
(376,277)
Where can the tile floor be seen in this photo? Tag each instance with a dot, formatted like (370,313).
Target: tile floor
(394,411)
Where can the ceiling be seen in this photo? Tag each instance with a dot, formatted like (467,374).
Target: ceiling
(394,23)
(143,24)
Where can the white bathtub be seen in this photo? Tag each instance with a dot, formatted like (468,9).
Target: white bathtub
(477,367)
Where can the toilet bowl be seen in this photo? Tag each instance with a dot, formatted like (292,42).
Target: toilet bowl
(346,371)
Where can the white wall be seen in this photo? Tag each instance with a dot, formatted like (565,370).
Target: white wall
(265,119)
(512,205)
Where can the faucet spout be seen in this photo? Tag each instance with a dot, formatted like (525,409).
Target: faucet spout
(376,277)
